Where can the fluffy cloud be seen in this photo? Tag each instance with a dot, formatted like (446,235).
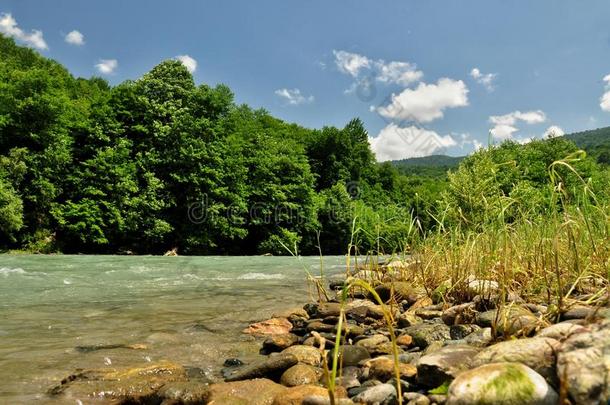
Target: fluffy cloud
(188,62)
(426,102)
(395,142)
(487,79)
(394,72)
(504,125)
(107,66)
(75,38)
(351,63)
(402,73)
(604,101)
(294,96)
(553,131)
(9,27)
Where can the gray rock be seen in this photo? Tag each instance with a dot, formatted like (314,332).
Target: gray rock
(376,394)
(583,364)
(415,398)
(560,331)
(501,384)
(270,367)
(425,333)
(511,321)
(538,353)
(370,343)
(328,309)
(444,365)
(461,331)
(481,287)
(349,355)
(479,338)
(578,312)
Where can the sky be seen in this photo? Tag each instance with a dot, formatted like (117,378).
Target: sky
(425,77)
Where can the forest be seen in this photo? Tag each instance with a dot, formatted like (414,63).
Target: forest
(162,163)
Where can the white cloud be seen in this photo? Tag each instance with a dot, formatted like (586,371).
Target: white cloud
(394,72)
(75,38)
(604,101)
(504,125)
(402,73)
(426,102)
(553,131)
(9,27)
(107,66)
(188,62)
(351,63)
(487,79)
(294,96)
(394,142)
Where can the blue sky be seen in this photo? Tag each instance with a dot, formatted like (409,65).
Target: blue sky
(406,68)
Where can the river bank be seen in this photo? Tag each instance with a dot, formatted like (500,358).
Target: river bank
(490,346)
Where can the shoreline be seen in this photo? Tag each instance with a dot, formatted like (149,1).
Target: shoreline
(447,352)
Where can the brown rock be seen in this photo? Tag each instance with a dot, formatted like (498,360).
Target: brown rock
(277,343)
(382,368)
(300,374)
(297,395)
(305,354)
(404,340)
(273,326)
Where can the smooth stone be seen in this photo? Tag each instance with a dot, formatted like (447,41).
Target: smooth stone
(349,355)
(584,361)
(277,343)
(425,333)
(458,314)
(401,291)
(482,287)
(438,399)
(192,392)
(370,343)
(578,312)
(292,313)
(501,384)
(420,303)
(324,400)
(300,374)
(538,353)
(260,391)
(404,340)
(305,354)
(560,331)
(376,394)
(296,395)
(273,326)
(444,365)
(385,348)
(511,321)
(271,367)
(415,398)
(382,368)
(328,309)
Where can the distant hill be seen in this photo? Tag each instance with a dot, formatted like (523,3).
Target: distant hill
(595,142)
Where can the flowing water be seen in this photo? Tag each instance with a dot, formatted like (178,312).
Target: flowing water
(55,310)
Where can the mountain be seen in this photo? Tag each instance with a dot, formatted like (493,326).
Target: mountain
(595,142)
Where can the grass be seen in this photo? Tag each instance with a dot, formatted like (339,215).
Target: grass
(555,252)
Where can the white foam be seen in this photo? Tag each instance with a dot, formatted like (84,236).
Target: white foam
(5,271)
(261,276)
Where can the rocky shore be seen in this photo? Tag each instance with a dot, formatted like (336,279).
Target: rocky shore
(469,351)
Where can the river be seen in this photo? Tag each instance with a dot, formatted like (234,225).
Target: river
(55,309)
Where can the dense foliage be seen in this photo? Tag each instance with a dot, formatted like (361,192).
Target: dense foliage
(161,163)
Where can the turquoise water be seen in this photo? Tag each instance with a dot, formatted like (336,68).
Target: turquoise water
(189,310)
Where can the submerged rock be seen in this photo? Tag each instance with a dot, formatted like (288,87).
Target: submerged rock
(273,326)
(272,367)
(128,385)
(259,391)
(501,384)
